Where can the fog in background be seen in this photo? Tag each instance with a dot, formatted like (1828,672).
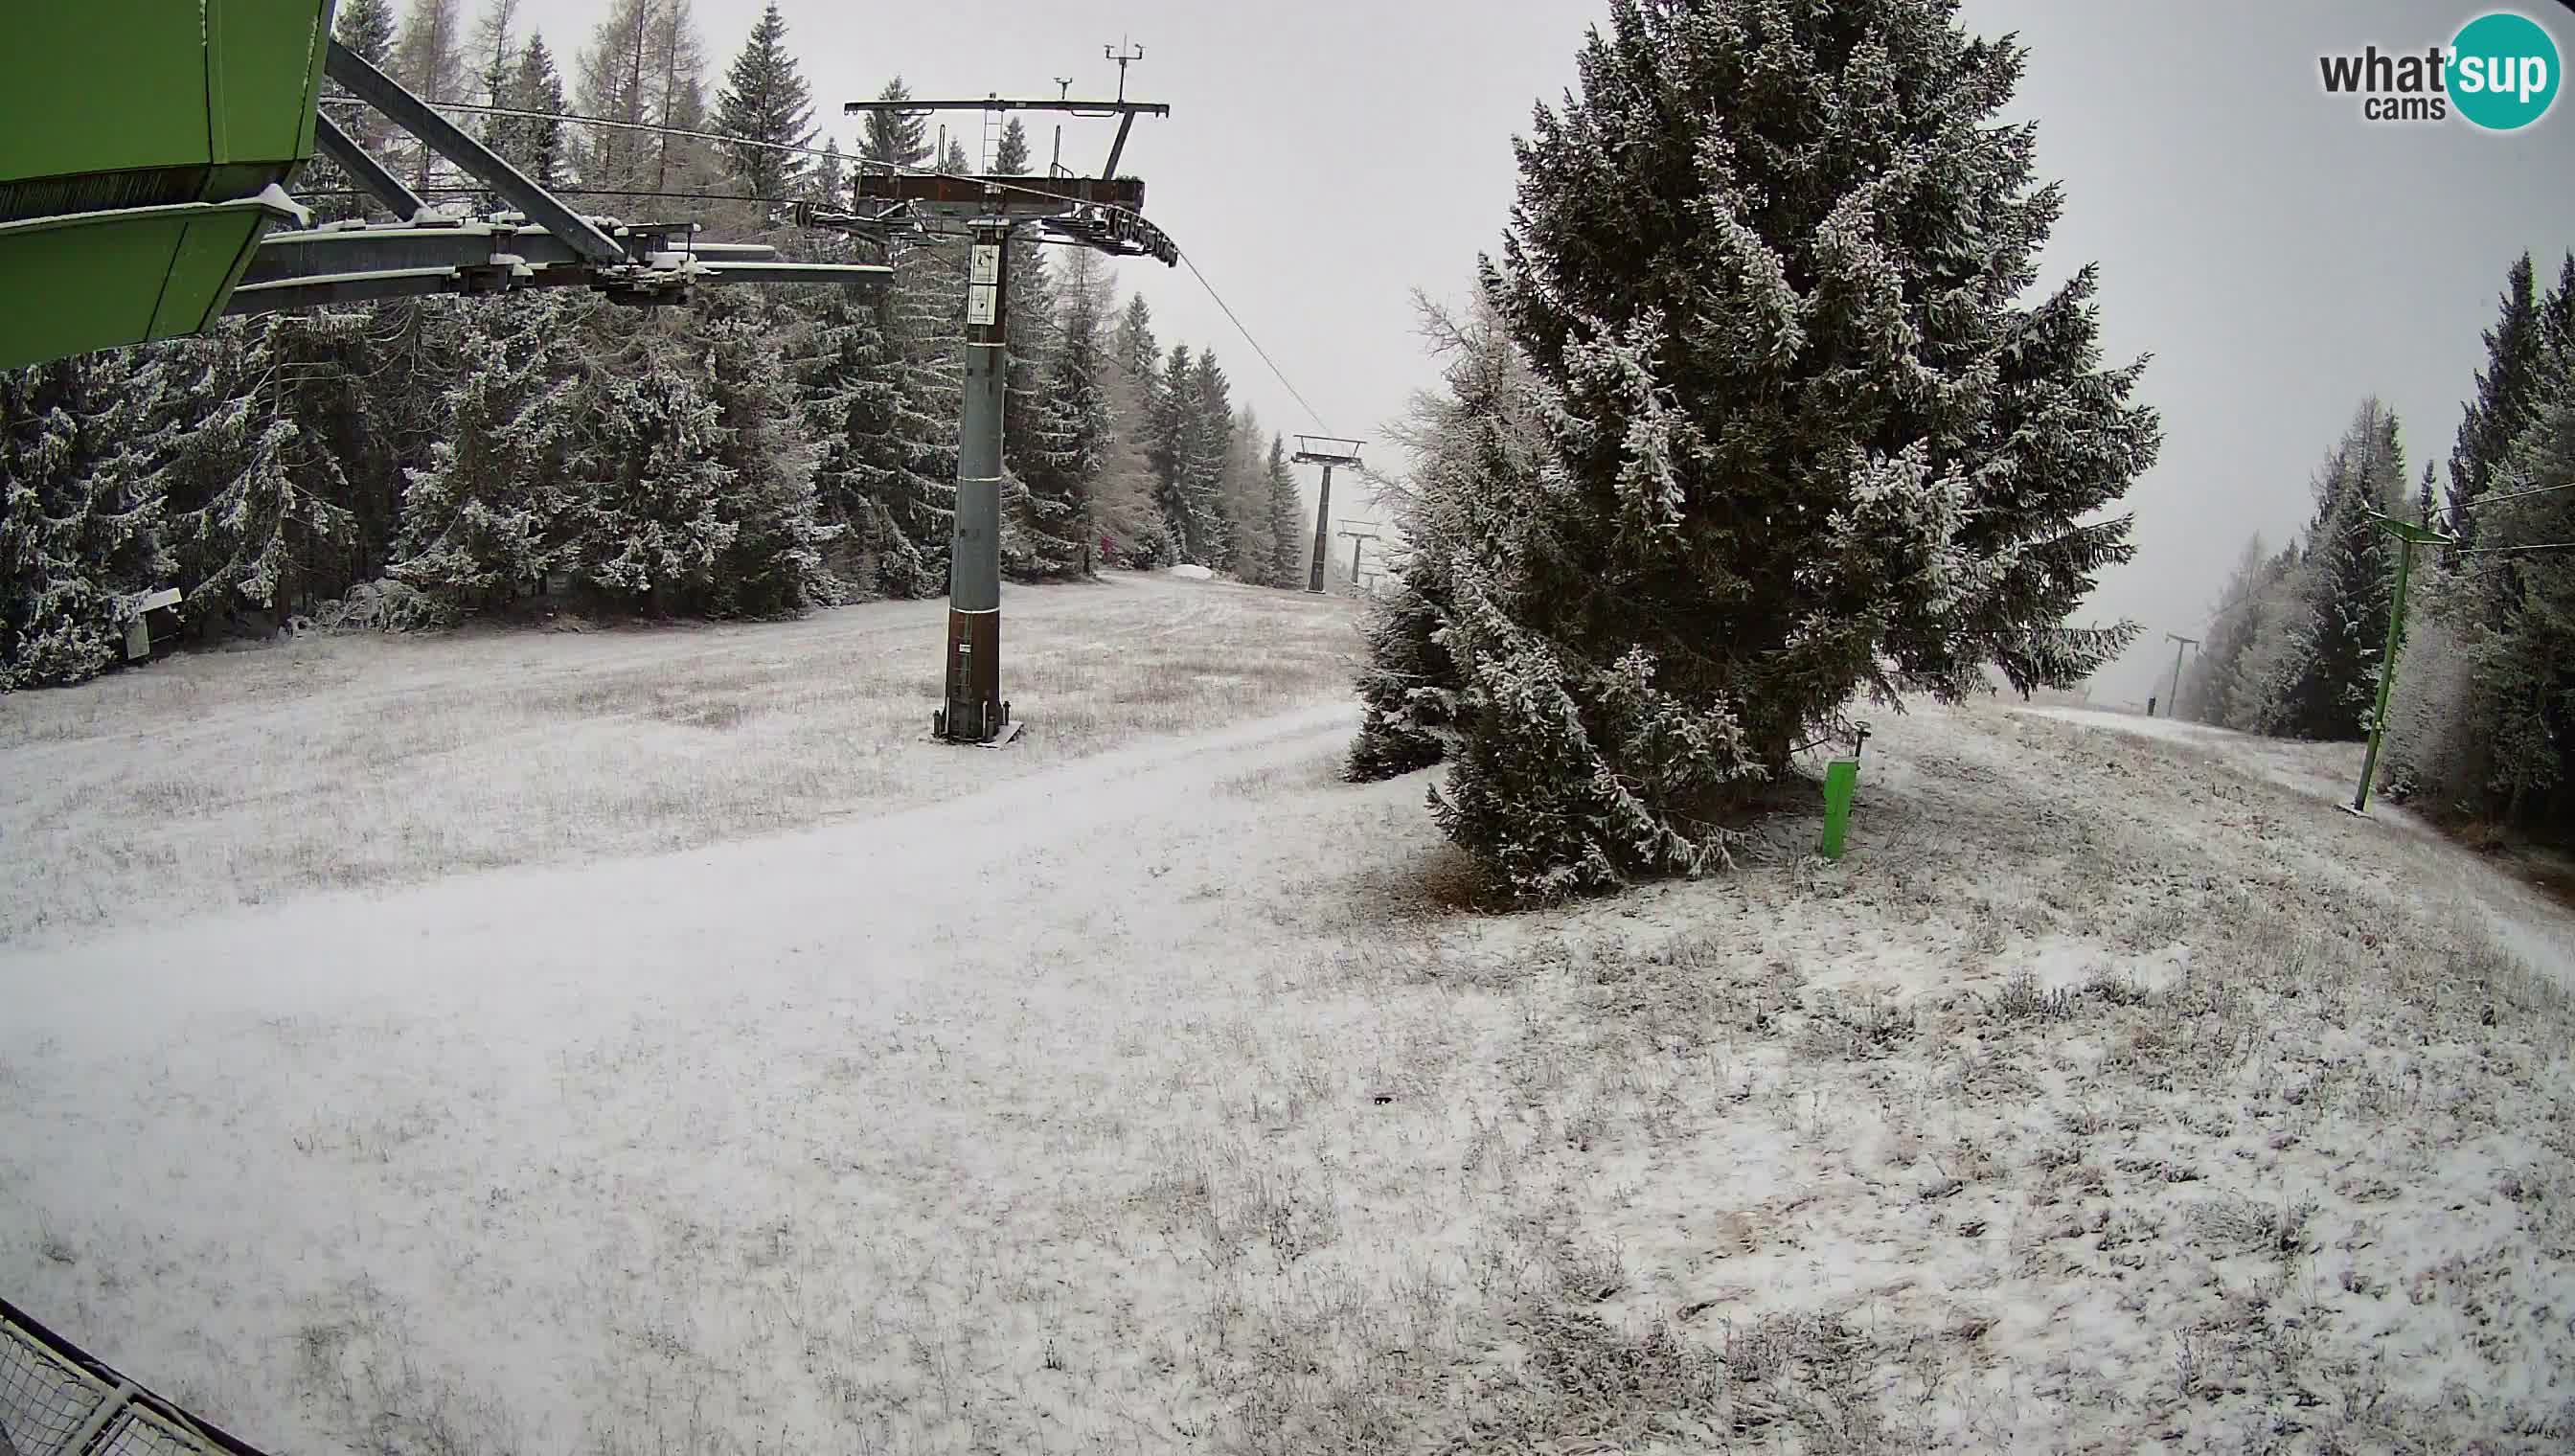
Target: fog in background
(2278,255)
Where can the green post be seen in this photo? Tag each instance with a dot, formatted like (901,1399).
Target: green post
(2408,536)
(1842,775)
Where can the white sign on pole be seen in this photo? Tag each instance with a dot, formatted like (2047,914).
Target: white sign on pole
(979,302)
(987,264)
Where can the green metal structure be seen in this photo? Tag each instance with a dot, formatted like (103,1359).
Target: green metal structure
(1841,781)
(2408,536)
(144,148)
(145,151)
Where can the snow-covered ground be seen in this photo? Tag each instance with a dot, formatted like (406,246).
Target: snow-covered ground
(1153,1095)
(2525,921)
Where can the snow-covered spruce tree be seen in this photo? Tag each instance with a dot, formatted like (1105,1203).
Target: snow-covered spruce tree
(775,565)
(1288,539)
(1207,439)
(535,146)
(251,498)
(1032,338)
(1251,549)
(1475,446)
(2226,637)
(2274,623)
(2324,686)
(1127,498)
(1808,440)
(366,27)
(2502,407)
(766,102)
(1071,435)
(647,487)
(1171,445)
(847,396)
(79,525)
(925,329)
(492,511)
(2525,601)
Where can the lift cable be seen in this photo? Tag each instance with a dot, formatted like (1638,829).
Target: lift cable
(2512,549)
(2484,501)
(1310,411)
(857,162)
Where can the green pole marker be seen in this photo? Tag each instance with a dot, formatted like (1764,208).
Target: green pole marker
(1842,777)
(2408,536)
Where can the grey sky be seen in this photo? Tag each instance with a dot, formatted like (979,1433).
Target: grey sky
(2280,256)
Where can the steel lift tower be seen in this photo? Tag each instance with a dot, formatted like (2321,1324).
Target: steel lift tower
(1104,213)
(1327,451)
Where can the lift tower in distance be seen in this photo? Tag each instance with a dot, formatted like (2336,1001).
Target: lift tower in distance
(1104,213)
(1327,451)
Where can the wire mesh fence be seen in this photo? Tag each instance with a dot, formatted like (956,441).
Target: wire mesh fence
(55,1400)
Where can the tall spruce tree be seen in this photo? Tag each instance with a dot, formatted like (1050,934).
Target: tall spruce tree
(775,563)
(848,396)
(79,524)
(766,104)
(827,182)
(2502,407)
(1287,544)
(1207,442)
(537,146)
(2224,639)
(1475,445)
(366,27)
(2524,597)
(1011,155)
(493,509)
(2325,684)
(926,325)
(252,496)
(893,139)
(1128,497)
(1807,441)
(1244,494)
(1073,436)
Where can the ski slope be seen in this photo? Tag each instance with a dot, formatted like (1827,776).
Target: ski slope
(1152,1094)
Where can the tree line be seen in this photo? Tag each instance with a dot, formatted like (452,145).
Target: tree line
(759,453)
(2482,713)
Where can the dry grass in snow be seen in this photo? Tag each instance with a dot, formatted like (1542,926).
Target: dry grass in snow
(2108,1096)
(239,778)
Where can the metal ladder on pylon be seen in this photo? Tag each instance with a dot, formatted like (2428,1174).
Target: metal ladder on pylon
(994,122)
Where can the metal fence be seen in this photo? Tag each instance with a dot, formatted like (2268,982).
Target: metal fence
(55,1400)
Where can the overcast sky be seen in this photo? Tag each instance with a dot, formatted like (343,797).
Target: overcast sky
(2280,256)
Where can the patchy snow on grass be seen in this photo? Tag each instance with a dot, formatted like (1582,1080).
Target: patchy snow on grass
(228,778)
(1158,1098)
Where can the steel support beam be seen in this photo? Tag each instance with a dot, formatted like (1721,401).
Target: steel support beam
(451,141)
(975,711)
(1118,148)
(318,290)
(371,176)
(997,103)
(468,243)
(863,275)
(1322,530)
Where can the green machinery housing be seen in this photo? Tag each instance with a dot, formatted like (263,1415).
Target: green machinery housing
(144,149)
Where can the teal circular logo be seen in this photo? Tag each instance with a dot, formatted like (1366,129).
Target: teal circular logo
(2503,71)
